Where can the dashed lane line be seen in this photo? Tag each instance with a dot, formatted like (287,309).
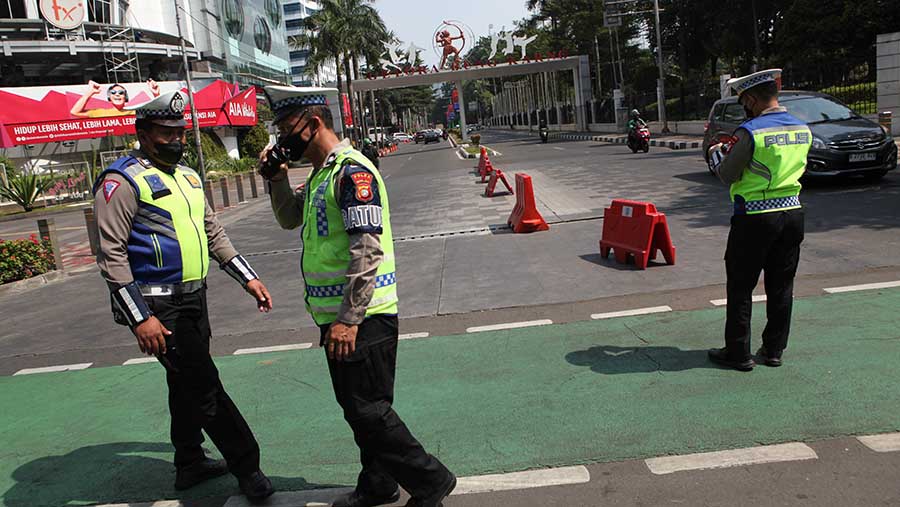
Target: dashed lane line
(629,313)
(52,369)
(274,348)
(509,325)
(794,451)
(723,302)
(523,480)
(867,286)
(140,360)
(413,336)
(888,442)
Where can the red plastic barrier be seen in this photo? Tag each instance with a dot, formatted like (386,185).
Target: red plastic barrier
(525,216)
(483,159)
(636,228)
(496,174)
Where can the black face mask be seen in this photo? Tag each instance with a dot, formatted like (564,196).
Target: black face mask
(295,144)
(169,153)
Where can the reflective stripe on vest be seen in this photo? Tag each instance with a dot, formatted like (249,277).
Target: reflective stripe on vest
(168,241)
(326,245)
(771,181)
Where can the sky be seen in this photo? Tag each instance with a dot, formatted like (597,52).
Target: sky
(416,21)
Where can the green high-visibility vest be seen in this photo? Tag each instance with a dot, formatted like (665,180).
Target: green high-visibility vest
(168,242)
(326,244)
(771,182)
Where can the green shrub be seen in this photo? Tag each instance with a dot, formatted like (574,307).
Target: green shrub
(24,258)
(25,189)
(213,150)
(254,141)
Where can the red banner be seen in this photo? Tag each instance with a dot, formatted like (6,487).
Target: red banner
(34,115)
(348,113)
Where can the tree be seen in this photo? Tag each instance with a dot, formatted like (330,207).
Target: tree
(255,140)
(343,30)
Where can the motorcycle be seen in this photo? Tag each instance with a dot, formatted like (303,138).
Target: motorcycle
(545,135)
(639,140)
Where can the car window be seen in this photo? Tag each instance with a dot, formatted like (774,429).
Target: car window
(734,113)
(817,109)
(717,112)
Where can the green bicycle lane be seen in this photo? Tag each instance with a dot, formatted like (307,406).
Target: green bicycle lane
(490,402)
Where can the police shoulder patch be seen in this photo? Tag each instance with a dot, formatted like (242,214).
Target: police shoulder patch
(109,188)
(363,182)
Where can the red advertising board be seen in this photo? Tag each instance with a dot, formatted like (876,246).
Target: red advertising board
(43,114)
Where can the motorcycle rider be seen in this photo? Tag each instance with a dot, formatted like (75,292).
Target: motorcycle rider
(634,124)
(543,130)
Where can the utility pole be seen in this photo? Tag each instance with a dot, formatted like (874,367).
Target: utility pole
(661,84)
(190,89)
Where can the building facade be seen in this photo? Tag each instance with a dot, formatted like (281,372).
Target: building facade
(243,41)
(295,11)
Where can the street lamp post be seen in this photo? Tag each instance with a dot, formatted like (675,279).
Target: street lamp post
(190,89)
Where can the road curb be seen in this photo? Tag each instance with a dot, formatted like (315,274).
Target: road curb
(32,283)
(672,145)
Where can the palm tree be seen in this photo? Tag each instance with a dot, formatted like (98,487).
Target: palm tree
(321,36)
(343,30)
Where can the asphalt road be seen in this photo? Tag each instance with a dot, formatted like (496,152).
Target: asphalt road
(460,267)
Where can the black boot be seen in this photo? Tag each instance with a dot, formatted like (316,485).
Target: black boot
(772,359)
(357,499)
(190,475)
(721,356)
(256,486)
(436,498)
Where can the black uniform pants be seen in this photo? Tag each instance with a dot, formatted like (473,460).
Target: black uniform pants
(768,242)
(364,388)
(197,399)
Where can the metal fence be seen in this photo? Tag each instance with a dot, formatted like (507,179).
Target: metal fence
(861,97)
(683,103)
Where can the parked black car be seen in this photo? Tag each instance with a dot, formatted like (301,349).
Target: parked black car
(844,143)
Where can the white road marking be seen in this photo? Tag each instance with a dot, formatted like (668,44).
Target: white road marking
(888,442)
(629,313)
(276,348)
(509,325)
(558,148)
(723,302)
(52,369)
(140,360)
(161,503)
(868,286)
(522,480)
(413,336)
(794,451)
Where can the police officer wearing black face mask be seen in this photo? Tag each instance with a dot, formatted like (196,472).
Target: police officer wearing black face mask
(156,236)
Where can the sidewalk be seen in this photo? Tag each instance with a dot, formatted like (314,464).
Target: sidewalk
(498,401)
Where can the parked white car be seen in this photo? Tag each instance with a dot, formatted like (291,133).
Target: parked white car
(402,136)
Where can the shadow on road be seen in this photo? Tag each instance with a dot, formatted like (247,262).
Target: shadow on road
(116,472)
(610,262)
(830,205)
(612,360)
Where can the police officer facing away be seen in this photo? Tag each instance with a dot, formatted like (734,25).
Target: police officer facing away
(763,167)
(351,292)
(156,235)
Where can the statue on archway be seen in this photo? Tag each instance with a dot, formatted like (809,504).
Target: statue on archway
(445,40)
